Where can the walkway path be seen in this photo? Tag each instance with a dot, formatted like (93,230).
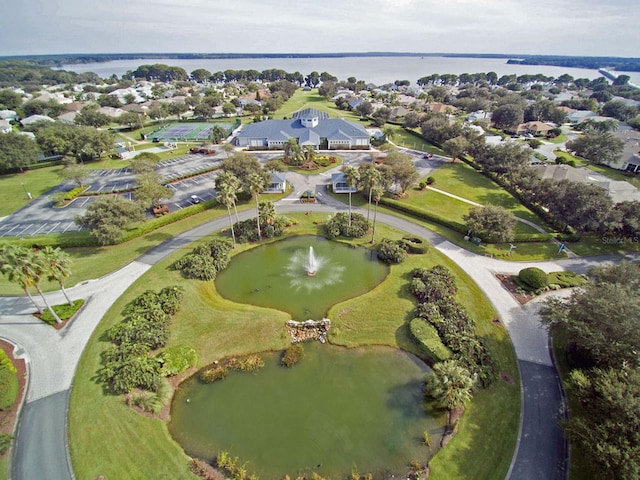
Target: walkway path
(53,356)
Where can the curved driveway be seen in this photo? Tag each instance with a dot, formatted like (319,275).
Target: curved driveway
(52,355)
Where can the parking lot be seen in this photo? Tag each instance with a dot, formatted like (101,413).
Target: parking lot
(41,217)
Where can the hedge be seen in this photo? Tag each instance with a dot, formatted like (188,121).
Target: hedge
(426,337)
(415,245)
(534,277)
(424,214)
(8,382)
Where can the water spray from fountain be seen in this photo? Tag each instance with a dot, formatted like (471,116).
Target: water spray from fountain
(312,264)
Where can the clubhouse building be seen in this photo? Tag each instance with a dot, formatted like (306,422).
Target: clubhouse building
(308,127)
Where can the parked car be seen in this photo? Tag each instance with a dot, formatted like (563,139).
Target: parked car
(194,199)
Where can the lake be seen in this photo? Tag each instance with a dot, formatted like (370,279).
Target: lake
(377,70)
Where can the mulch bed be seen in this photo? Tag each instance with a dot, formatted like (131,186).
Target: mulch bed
(9,417)
(511,285)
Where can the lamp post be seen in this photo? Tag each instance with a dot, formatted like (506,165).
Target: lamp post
(25,190)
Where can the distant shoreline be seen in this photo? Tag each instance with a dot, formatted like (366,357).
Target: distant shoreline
(595,63)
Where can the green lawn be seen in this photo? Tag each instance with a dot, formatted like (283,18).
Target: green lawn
(14,187)
(462,180)
(127,445)
(302,99)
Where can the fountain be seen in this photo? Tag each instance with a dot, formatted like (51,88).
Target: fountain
(304,281)
(312,264)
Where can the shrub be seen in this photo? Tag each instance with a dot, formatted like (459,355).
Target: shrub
(426,337)
(391,251)
(534,277)
(177,359)
(338,225)
(566,279)
(213,374)
(8,382)
(152,332)
(292,355)
(415,245)
(153,401)
(5,442)
(431,180)
(126,367)
(205,260)
(250,363)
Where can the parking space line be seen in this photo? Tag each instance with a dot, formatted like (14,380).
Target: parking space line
(39,228)
(55,225)
(26,228)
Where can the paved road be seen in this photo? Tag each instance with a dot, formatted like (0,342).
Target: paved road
(53,355)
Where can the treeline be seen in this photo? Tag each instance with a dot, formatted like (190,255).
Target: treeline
(595,63)
(23,73)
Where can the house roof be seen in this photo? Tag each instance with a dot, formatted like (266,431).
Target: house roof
(535,126)
(310,113)
(332,129)
(558,173)
(36,118)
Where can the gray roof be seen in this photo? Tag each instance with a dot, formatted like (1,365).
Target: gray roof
(331,129)
(310,113)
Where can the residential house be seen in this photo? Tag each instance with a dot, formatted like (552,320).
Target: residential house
(277,184)
(629,160)
(68,118)
(439,107)
(8,115)
(339,184)
(34,119)
(309,127)
(111,111)
(535,128)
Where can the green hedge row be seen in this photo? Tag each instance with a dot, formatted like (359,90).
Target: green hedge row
(424,214)
(426,337)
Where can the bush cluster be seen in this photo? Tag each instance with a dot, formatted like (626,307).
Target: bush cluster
(177,359)
(435,289)
(426,337)
(392,251)
(292,355)
(338,225)
(152,401)
(205,261)
(8,382)
(534,277)
(127,364)
(219,371)
(246,230)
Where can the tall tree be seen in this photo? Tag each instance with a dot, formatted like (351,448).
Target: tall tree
(376,194)
(600,148)
(57,265)
(351,178)
(226,188)
(12,265)
(256,185)
(371,178)
(16,151)
(107,218)
(492,223)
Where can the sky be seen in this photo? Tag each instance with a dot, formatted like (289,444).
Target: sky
(558,27)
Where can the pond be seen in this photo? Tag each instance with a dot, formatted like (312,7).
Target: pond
(336,411)
(275,275)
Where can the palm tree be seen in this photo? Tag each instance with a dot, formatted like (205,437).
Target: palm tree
(27,268)
(10,265)
(57,263)
(232,182)
(228,198)
(308,155)
(371,178)
(256,185)
(376,192)
(267,212)
(351,177)
(450,384)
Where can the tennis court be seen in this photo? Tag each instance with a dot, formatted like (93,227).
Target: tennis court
(189,132)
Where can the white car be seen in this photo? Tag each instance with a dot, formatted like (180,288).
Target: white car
(195,199)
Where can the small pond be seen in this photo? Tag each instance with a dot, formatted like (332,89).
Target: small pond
(274,275)
(335,411)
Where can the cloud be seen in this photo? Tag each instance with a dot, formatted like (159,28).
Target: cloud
(589,27)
